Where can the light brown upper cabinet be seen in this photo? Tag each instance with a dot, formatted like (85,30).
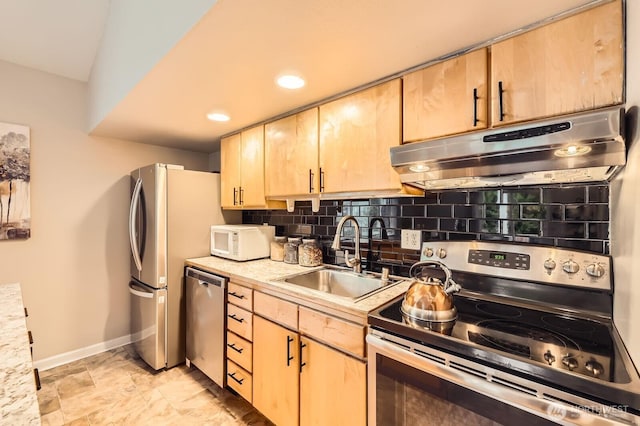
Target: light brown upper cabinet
(356,132)
(446,98)
(570,65)
(242,170)
(291,155)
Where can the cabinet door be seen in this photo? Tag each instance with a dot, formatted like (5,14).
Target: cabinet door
(333,387)
(446,98)
(275,372)
(252,180)
(230,162)
(570,65)
(356,133)
(291,155)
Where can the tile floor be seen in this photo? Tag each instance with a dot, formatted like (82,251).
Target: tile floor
(117,388)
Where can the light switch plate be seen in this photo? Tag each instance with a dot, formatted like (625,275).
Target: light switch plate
(410,239)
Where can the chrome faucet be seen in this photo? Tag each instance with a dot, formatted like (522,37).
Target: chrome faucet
(354,262)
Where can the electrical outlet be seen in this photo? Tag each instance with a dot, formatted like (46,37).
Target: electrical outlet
(410,239)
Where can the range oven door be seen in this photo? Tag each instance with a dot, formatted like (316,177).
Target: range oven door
(411,386)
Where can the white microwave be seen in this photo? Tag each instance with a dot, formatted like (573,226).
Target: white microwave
(242,242)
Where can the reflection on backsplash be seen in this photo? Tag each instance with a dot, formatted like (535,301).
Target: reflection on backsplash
(574,216)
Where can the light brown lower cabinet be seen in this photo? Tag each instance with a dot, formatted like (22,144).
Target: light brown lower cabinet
(333,388)
(276,371)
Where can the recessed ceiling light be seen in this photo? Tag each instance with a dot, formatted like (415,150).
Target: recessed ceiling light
(217,116)
(290,81)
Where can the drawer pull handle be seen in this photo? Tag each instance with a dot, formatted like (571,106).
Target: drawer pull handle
(37,377)
(233,376)
(236,295)
(233,346)
(234,317)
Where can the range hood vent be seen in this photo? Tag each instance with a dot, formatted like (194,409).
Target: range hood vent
(581,147)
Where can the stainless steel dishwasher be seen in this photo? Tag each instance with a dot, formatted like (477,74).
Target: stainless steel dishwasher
(205,303)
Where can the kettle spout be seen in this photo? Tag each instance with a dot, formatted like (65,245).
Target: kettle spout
(453,287)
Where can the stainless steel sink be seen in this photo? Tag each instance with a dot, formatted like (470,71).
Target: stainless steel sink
(343,283)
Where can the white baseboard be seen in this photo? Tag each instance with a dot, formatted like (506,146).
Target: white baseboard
(67,357)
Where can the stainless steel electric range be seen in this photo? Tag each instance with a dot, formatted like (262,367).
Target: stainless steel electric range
(533,343)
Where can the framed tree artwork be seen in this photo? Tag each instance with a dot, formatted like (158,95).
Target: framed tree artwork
(15,211)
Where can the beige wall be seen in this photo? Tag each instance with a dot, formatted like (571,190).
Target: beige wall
(625,207)
(75,267)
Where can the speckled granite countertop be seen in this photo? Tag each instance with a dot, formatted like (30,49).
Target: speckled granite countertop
(18,400)
(267,275)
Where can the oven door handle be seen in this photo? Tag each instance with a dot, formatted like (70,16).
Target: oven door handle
(546,409)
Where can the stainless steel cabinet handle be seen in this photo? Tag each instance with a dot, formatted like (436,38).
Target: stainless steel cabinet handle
(241,196)
(233,346)
(321,180)
(234,196)
(311,174)
(233,376)
(234,317)
(239,296)
(135,200)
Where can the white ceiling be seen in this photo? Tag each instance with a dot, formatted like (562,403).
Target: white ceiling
(230,59)
(60,37)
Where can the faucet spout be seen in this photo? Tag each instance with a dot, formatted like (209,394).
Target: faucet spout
(355,261)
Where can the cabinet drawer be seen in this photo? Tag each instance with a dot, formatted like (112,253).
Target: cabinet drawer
(278,310)
(239,380)
(240,296)
(239,351)
(240,321)
(334,331)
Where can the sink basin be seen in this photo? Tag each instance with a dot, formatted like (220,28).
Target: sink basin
(343,283)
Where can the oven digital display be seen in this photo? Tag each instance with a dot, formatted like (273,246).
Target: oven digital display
(497,256)
(500,259)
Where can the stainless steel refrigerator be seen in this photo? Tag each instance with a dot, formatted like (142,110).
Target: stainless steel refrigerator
(170,216)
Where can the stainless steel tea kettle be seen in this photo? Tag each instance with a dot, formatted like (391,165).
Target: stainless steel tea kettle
(428,299)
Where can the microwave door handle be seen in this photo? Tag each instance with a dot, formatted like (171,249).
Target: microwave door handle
(135,200)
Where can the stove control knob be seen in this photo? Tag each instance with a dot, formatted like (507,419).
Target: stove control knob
(595,270)
(549,265)
(548,356)
(570,267)
(428,252)
(570,362)
(594,367)
(441,253)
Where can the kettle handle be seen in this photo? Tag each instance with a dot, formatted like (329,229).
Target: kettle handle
(449,285)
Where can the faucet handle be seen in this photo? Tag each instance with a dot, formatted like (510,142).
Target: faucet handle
(354,262)
(385,274)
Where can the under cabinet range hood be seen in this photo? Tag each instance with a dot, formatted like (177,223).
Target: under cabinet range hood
(580,147)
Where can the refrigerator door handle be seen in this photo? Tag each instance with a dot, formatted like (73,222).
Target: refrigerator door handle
(145,294)
(135,199)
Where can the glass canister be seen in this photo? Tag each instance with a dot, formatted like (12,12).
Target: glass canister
(291,249)
(277,248)
(309,254)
